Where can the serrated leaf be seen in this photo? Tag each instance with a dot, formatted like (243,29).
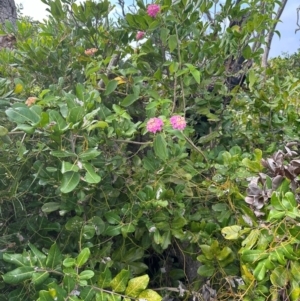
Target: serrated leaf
(119,283)
(137,285)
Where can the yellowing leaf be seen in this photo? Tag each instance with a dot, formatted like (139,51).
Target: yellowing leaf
(120,80)
(137,285)
(119,283)
(18,88)
(150,295)
(236,28)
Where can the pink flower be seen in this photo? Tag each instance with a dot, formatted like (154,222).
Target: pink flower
(153,10)
(155,125)
(178,122)
(140,35)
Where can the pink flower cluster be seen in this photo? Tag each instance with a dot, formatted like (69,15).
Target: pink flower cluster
(178,122)
(153,10)
(156,124)
(140,35)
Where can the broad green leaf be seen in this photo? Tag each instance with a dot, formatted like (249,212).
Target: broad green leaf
(67,166)
(119,283)
(39,277)
(206,250)
(89,154)
(60,124)
(104,278)
(196,73)
(76,114)
(253,255)
(224,254)
(136,286)
(251,239)
(129,100)
(113,230)
(164,32)
(69,262)
(289,201)
(54,257)
(91,176)
(112,217)
(69,283)
(41,257)
(231,232)
(252,78)
(50,207)
(247,53)
(83,257)
(160,147)
(166,240)
(111,87)
(87,274)
(45,296)
(172,42)
(74,224)
(260,270)
(16,259)
(87,294)
(18,275)
(206,270)
(274,214)
(22,115)
(69,181)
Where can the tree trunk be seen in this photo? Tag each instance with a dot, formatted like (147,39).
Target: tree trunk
(8,11)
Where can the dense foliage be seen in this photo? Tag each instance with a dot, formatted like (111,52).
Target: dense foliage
(171,173)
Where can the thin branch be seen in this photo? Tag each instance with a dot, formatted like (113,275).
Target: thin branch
(271,34)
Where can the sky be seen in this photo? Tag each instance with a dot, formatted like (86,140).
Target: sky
(289,42)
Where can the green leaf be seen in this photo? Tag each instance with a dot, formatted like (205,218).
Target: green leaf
(119,283)
(60,124)
(69,262)
(91,176)
(16,259)
(172,42)
(69,283)
(45,296)
(87,294)
(112,217)
(206,270)
(67,166)
(129,100)
(62,154)
(54,257)
(253,255)
(149,295)
(87,274)
(50,207)
(22,115)
(231,232)
(40,256)
(224,254)
(247,53)
(69,181)
(83,257)
(160,147)
(18,275)
(74,224)
(104,278)
(111,87)
(252,78)
(260,270)
(289,201)
(3,131)
(89,154)
(196,74)
(39,277)
(279,277)
(136,286)
(76,114)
